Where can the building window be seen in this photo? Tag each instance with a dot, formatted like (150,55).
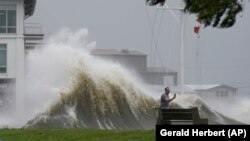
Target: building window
(217,94)
(3,58)
(7,18)
(222,93)
(226,93)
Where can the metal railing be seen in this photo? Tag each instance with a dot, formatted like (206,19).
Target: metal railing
(33,28)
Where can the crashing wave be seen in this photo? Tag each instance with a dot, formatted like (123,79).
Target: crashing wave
(94,102)
(205,111)
(96,93)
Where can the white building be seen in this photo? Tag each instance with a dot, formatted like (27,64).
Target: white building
(12,46)
(212,92)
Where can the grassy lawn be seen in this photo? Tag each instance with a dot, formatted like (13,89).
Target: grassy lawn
(75,135)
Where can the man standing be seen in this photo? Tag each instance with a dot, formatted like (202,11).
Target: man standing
(165,99)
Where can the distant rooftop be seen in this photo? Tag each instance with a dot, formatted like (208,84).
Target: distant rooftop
(207,87)
(29,6)
(109,51)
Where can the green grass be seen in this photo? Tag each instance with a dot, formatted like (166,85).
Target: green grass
(75,135)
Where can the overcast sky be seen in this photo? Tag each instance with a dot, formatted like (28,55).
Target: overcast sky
(223,53)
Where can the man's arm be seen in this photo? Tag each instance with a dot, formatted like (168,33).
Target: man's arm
(170,99)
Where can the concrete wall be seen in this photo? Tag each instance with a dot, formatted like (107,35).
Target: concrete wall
(133,62)
(153,78)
